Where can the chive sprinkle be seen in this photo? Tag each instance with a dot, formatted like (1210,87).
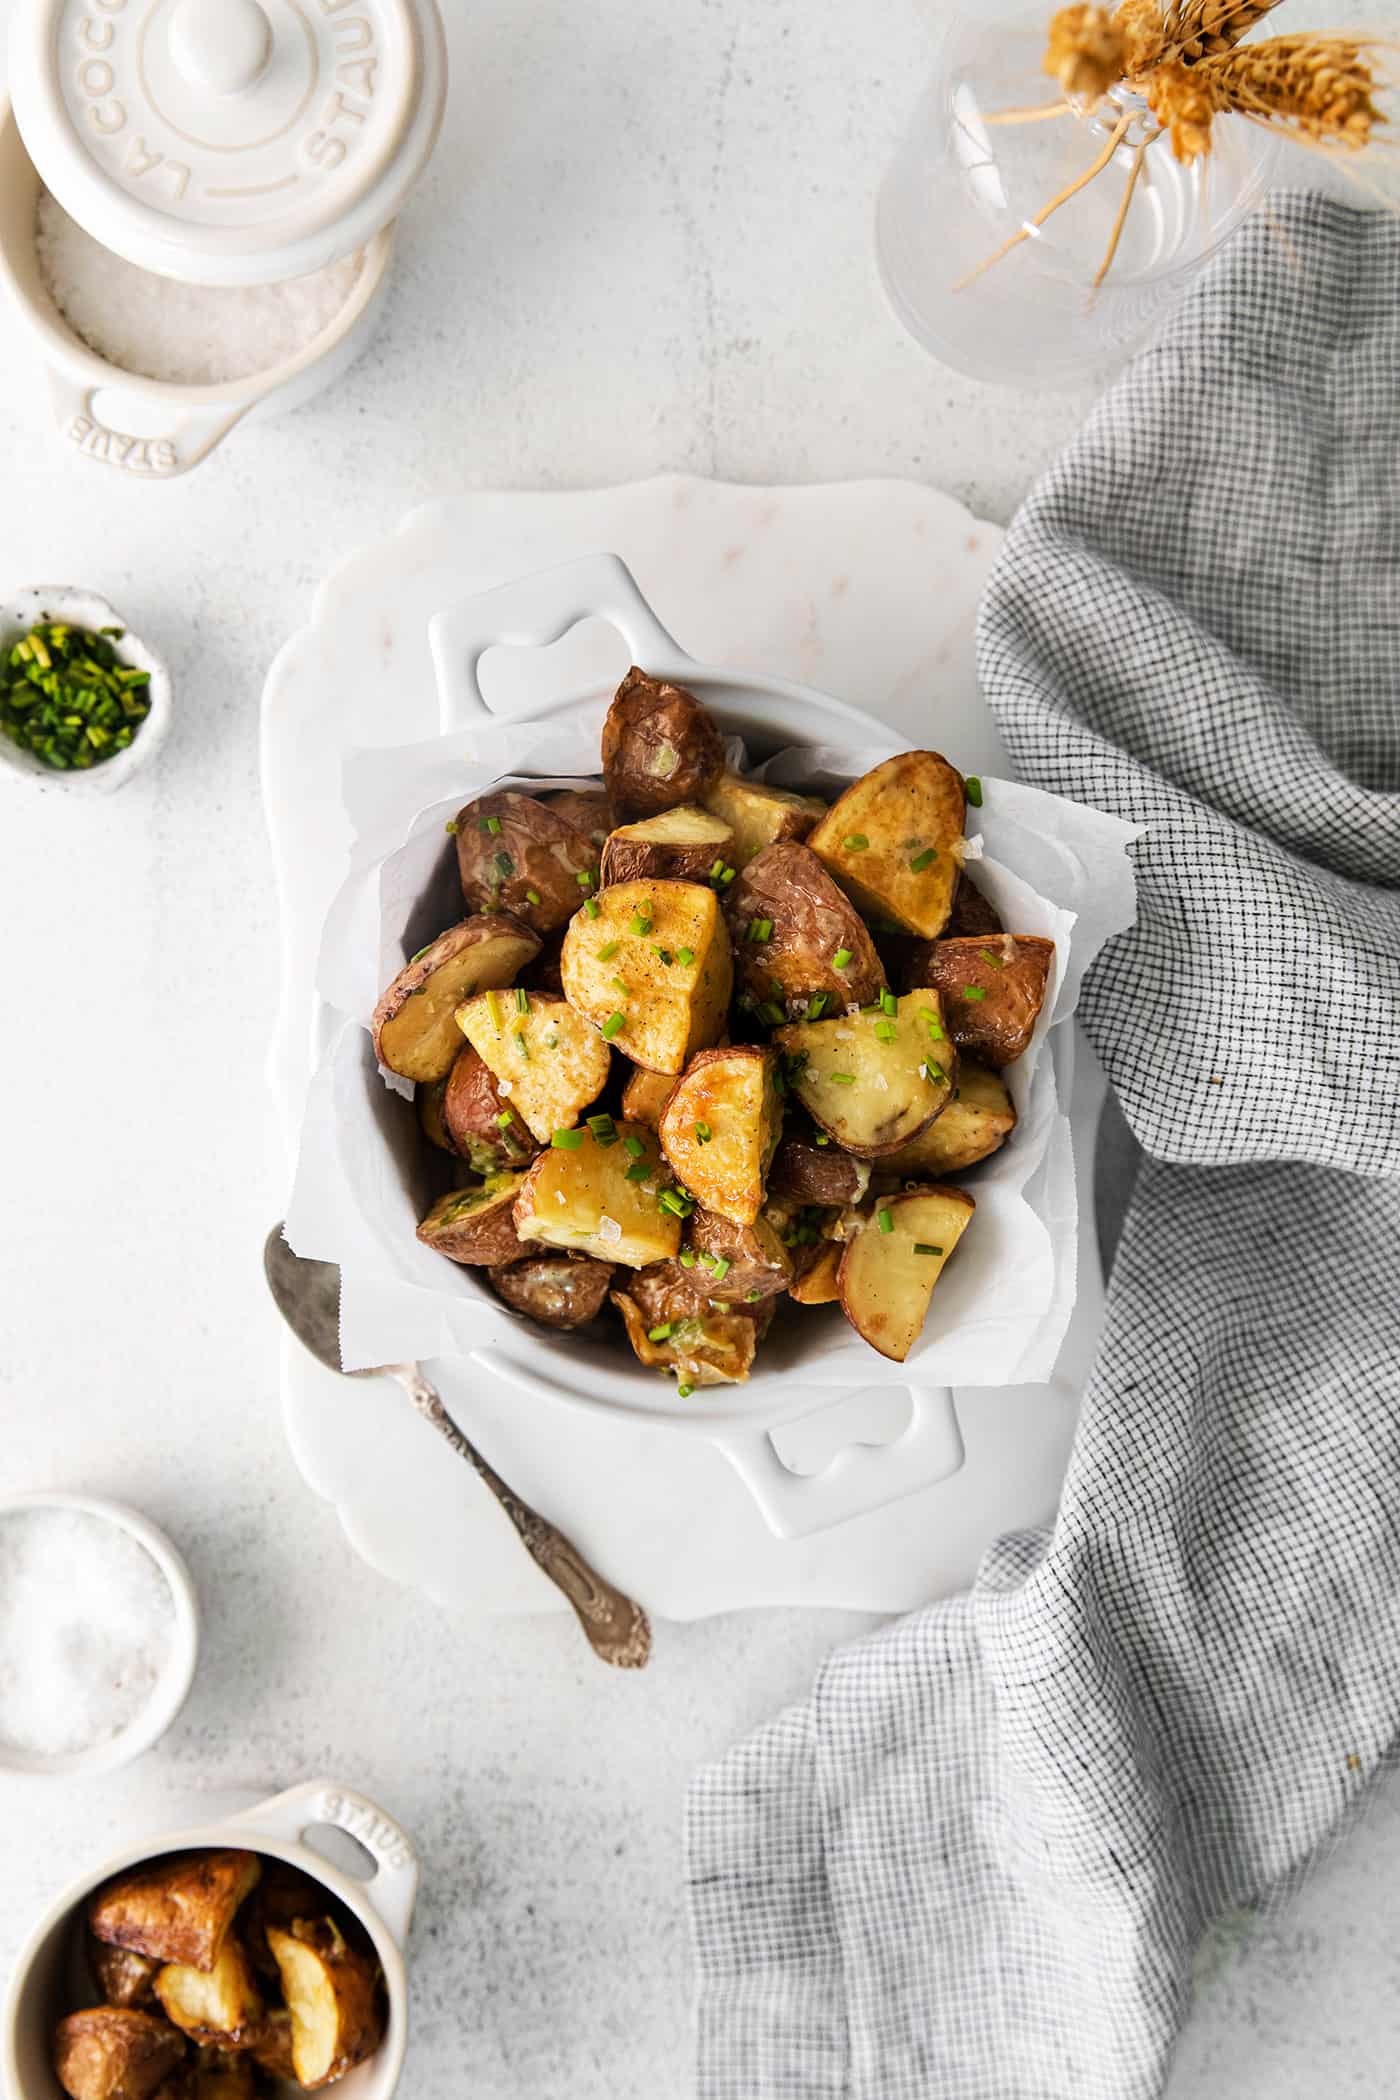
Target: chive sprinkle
(640,924)
(816,1006)
(884,1220)
(974,790)
(451,827)
(567,1140)
(719,1266)
(840,959)
(923,1247)
(886,1031)
(843,1078)
(584,879)
(506,1118)
(687,1257)
(604,1129)
(614,1025)
(661,1333)
(728,874)
(639,1171)
(716,871)
(822,1138)
(770,1013)
(685,956)
(504,866)
(522,1000)
(703,1133)
(752,1297)
(493,1007)
(855,842)
(923,860)
(677,1202)
(683,1392)
(591,906)
(66,697)
(532,896)
(522,1046)
(607,951)
(888,1003)
(493,825)
(995,960)
(619,984)
(973,991)
(634,1146)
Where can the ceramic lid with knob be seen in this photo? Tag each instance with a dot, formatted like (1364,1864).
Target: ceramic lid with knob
(229,141)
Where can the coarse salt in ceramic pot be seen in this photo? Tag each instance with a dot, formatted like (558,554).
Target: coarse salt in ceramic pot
(236,145)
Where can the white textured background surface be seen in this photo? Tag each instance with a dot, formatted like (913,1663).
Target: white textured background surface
(645,243)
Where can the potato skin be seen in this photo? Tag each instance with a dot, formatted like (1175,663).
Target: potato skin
(812,919)
(645,1095)
(123,1977)
(588,810)
(537,850)
(660,747)
(560,1290)
(696,841)
(177,1908)
(1006,976)
(807,1172)
(420,1042)
(353,1981)
(111,2052)
(476,1227)
(472,1108)
(759,1265)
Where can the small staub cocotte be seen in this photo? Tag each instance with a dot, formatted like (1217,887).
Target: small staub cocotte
(737,1084)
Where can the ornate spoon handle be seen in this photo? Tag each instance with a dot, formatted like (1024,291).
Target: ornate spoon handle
(618,1630)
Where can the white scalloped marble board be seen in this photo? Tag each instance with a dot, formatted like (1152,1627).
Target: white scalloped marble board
(867,590)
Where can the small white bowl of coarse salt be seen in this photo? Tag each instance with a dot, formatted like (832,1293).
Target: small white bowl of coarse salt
(99,1633)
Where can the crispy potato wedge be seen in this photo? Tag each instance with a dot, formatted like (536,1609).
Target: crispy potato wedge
(979,1118)
(333,1993)
(415,1033)
(893,840)
(817,1285)
(479,1123)
(476,1226)
(221,2007)
(177,1908)
(563,1291)
(602,1197)
(993,989)
(720,1127)
(810,1169)
(737,1264)
(114,2052)
(679,845)
(759,815)
(888,1270)
(873,1080)
(652,969)
(271,2047)
(702,1348)
(587,809)
(123,1977)
(789,923)
(660,747)
(645,1095)
(525,856)
(548,1064)
(971,913)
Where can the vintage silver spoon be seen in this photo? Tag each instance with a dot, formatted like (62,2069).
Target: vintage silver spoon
(308,1298)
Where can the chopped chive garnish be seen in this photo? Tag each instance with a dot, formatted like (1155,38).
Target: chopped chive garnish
(840,959)
(591,906)
(752,1297)
(522,1000)
(567,1140)
(619,984)
(506,1118)
(816,1006)
(884,1220)
(974,790)
(639,1171)
(532,896)
(607,951)
(995,960)
(419,956)
(493,1007)
(718,1265)
(493,825)
(923,860)
(662,1333)
(451,827)
(716,871)
(687,1257)
(504,866)
(770,1013)
(604,1129)
(677,1202)
(923,1247)
(888,1003)
(703,1133)
(855,842)
(614,1025)
(843,1078)
(665,954)
(822,1138)
(634,1146)
(934,1074)
(973,991)
(886,1031)
(759,930)
(728,875)
(584,879)
(686,956)
(683,1392)
(522,1046)
(640,924)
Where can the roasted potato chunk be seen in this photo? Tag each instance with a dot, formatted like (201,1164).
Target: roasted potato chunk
(587,809)
(221,2006)
(645,1095)
(993,989)
(333,1993)
(971,913)
(703,1347)
(979,1118)
(888,1270)
(608,1195)
(759,815)
(660,747)
(478,1121)
(177,1908)
(428,1099)
(893,840)
(651,970)
(737,1264)
(415,1033)
(818,1284)
(800,946)
(555,1290)
(122,1976)
(476,1226)
(524,856)
(873,1080)
(680,845)
(271,2047)
(720,1126)
(113,2052)
(548,1064)
(808,1168)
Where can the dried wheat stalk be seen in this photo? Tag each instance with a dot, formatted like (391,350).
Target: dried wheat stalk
(1196,29)
(1321,88)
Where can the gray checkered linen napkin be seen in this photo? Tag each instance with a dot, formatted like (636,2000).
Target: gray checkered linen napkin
(975,1864)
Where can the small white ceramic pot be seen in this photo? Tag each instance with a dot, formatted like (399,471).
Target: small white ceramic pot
(51,601)
(45,1978)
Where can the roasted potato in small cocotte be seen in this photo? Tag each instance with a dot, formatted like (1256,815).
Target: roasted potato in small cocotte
(737,1264)
(334,1995)
(547,1063)
(605,1192)
(480,1123)
(415,1033)
(799,942)
(519,854)
(114,2052)
(759,815)
(705,1347)
(894,840)
(651,970)
(221,2006)
(721,1125)
(873,1080)
(979,1118)
(993,989)
(818,1284)
(476,1226)
(679,845)
(889,1269)
(645,1095)
(122,1976)
(175,1909)
(563,1291)
(809,1168)
(660,747)
(588,810)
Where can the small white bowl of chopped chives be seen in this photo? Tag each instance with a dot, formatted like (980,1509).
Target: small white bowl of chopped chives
(99,1634)
(83,702)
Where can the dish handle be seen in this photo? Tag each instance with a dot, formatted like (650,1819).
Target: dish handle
(858,1479)
(193,435)
(393,1887)
(534,611)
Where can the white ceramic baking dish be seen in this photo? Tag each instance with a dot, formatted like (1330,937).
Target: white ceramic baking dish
(50,1970)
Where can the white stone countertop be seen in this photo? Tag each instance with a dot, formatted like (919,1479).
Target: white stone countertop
(645,243)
